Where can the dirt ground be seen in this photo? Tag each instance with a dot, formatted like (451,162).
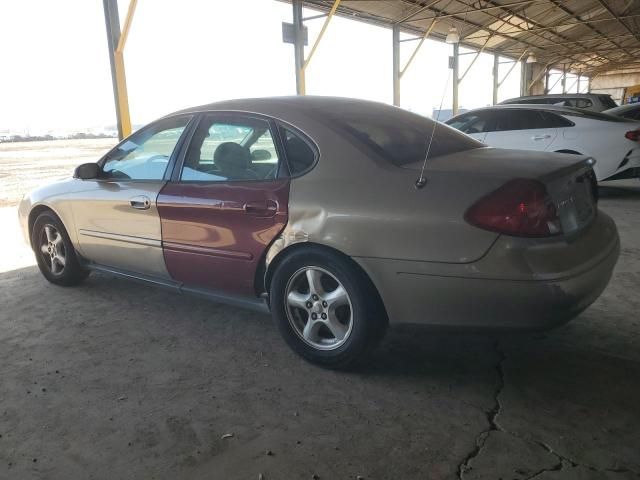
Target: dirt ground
(116,379)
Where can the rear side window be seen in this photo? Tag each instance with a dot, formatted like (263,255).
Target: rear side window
(300,155)
(226,149)
(553,120)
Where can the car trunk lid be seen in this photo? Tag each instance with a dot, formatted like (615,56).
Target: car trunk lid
(569,179)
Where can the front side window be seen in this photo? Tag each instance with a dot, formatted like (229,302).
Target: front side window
(145,155)
(224,149)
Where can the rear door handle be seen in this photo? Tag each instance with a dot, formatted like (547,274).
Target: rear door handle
(141,202)
(540,137)
(261,209)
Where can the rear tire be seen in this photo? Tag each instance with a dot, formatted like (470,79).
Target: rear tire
(326,309)
(55,254)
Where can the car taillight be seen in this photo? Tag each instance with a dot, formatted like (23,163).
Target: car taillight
(633,135)
(521,207)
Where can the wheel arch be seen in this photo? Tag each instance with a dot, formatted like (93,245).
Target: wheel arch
(35,213)
(263,281)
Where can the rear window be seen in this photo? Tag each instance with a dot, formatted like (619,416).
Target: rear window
(596,116)
(401,137)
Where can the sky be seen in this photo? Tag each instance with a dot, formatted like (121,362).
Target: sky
(55,70)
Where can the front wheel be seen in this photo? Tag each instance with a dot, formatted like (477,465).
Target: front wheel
(326,309)
(54,252)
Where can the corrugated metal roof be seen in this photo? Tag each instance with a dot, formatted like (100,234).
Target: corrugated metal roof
(588,36)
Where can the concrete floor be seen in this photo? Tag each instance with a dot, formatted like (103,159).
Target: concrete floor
(115,379)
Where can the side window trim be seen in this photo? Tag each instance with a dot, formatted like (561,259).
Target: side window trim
(281,126)
(224,115)
(179,160)
(172,160)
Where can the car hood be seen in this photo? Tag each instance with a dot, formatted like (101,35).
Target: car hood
(504,163)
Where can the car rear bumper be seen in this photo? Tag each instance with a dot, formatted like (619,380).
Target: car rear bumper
(519,284)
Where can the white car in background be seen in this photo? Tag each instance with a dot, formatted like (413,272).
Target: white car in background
(614,142)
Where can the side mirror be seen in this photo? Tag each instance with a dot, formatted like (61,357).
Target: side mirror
(261,155)
(87,171)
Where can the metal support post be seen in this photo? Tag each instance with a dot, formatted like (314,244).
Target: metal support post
(298,46)
(546,81)
(396,65)
(496,66)
(456,80)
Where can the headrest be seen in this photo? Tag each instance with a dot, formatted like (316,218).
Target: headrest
(232,156)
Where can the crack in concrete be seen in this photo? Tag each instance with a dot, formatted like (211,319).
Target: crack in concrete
(557,467)
(494,426)
(492,416)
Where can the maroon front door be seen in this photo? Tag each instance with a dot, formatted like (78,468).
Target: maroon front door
(214,235)
(226,203)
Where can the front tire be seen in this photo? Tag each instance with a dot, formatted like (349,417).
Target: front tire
(55,254)
(326,309)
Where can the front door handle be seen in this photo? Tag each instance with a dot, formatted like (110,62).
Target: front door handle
(540,137)
(261,209)
(141,202)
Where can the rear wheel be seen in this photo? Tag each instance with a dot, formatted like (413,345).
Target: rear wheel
(54,251)
(326,309)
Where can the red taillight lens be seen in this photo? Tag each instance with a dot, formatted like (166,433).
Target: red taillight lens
(633,135)
(520,207)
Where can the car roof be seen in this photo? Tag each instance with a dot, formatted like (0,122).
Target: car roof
(285,105)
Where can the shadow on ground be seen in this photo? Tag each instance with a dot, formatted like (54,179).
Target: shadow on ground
(118,377)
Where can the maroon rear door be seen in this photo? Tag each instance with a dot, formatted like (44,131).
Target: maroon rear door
(226,204)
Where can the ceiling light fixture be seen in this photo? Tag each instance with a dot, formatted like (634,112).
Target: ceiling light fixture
(453,36)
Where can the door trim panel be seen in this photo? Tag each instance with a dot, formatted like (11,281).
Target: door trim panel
(148,242)
(208,251)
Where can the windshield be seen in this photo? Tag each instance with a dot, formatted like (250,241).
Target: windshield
(402,137)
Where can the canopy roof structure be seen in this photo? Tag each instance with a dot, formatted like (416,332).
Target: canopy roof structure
(585,36)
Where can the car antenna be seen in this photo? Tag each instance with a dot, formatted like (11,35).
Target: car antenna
(421,181)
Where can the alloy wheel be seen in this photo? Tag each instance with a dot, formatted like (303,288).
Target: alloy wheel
(318,308)
(52,249)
